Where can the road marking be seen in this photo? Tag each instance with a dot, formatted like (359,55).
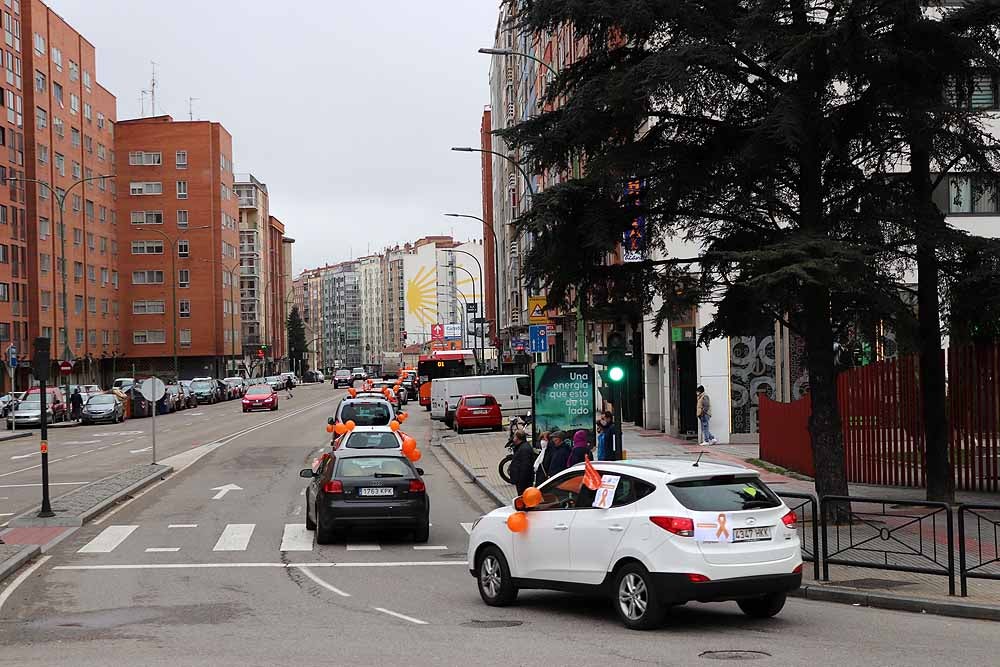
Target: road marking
(223,490)
(37,465)
(7,514)
(7,592)
(21,486)
(363,547)
(424,547)
(157,550)
(23,456)
(235,537)
(183,525)
(329,587)
(468,528)
(107,540)
(139,451)
(296,538)
(203,566)
(82,442)
(401,616)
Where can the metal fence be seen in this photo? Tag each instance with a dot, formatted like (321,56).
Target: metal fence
(978,559)
(805,507)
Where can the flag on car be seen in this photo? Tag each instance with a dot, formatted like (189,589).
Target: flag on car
(591,478)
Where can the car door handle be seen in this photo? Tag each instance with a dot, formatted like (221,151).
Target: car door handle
(561,526)
(616,528)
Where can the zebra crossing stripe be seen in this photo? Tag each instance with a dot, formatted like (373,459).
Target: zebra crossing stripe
(107,540)
(296,538)
(364,547)
(235,537)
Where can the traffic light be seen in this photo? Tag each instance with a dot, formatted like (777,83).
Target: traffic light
(615,359)
(260,351)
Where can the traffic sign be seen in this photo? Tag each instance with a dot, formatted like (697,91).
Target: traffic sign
(12,356)
(537,314)
(152,389)
(65,367)
(538,338)
(437,332)
(472,308)
(518,344)
(452,331)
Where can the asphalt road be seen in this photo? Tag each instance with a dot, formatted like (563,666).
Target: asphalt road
(176,577)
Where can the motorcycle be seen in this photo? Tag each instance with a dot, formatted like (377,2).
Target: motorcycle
(516,424)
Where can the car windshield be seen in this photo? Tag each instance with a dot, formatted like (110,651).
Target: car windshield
(102,399)
(724,493)
(359,370)
(366,414)
(260,390)
(172,388)
(343,374)
(201,385)
(377,440)
(372,466)
(34,398)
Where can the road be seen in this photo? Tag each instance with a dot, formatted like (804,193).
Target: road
(177,577)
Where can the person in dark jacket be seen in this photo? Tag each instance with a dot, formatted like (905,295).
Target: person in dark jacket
(560,454)
(581,448)
(288,386)
(76,404)
(522,465)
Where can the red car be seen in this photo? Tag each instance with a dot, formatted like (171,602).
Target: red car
(478,411)
(260,397)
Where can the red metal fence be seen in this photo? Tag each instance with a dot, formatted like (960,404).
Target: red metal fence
(883,427)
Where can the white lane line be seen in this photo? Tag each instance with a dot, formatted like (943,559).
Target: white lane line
(424,547)
(24,456)
(7,592)
(296,538)
(107,540)
(159,550)
(21,486)
(363,547)
(37,465)
(235,537)
(183,525)
(139,451)
(203,566)
(329,587)
(468,528)
(7,514)
(401,616)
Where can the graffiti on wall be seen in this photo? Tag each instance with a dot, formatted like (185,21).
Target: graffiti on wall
(751,371)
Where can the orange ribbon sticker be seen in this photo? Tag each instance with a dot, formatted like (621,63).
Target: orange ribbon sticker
(45,447)
(722,531)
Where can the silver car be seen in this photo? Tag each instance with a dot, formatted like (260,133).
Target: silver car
(103,408)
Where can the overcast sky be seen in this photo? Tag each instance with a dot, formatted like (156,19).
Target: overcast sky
(346,109)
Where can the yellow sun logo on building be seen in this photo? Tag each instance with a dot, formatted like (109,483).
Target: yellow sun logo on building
(421,296)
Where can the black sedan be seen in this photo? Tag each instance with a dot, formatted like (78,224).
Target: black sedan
(366,490)
(103,408)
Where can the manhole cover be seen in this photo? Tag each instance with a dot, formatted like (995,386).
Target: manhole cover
(734,655)
(871,583)
(489,625)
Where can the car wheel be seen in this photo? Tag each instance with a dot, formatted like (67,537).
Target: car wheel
(324,534)
(422,532)
(765,606)
(310,524)
(493,576)
(636,599)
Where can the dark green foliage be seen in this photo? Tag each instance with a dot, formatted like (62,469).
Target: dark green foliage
(296,329)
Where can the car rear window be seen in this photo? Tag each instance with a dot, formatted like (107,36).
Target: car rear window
(476,402)
(725,493)
(366,414)
(372,466)
(378,440)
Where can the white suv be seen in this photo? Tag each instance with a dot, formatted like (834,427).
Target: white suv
(675,531)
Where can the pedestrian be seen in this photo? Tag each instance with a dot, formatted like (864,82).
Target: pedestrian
(521,470)
(543,445)
(605,425)
(76,404)
(560,454)
(704,412)
(288,386)
(580,450)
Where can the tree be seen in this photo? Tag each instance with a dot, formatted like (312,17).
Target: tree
(296,329)
(733,116)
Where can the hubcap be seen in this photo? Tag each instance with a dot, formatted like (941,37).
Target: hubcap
(632,596)
(490,576)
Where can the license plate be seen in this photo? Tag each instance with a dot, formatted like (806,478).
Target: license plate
(756,534)
(379,491)
(480,412)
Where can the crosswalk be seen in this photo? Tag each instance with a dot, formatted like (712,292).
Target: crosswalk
(233,537)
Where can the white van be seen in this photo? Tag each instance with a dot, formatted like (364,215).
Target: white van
(513,393)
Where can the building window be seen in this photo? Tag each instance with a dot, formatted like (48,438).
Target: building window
(78,304)
(150,337)
(105,303)
(41,117)
(100,126)
(92,304)
(78,270)
(184,278)
(60,164)
(57,94)
(77,236)
(100,156)
(44,228)
(181,159)
(43,153)
(76,171)
(183,249)
(144,159)
(150,277)
(86,80)
(147,217)
(151,307)
(184,308)
(46,299)
(974,195)
(91,241)
(182,189)
(40,50)
(44,262)
(147,247)
(182,218)
(87,111)
(4,292)
(146,188)
(58,126)
(104,276)
(91,273)
(74,135)
(39,81)
(74,71)
(74,104)
(79,336)
(185,338)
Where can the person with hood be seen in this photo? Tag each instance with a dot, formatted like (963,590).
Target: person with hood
(560,454)
(704,414)
(76,404)
(521,466)
(581,448)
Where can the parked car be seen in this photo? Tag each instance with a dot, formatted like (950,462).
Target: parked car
(288,374)
(478,411)
(103,408)
(206,390)
(87,390)
(29,409)
(359,374)
(177,397)
(123,383)
(8,401)
(275,382)
(512,392)
(237,384)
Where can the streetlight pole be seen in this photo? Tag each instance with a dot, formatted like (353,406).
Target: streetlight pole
(233,279)
(476,259)
(496,266)
(516,163)
(511,52)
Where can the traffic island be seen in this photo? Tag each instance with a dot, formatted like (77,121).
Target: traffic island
(15,435)
(13,556)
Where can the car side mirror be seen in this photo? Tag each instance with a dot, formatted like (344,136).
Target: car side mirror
(331,421)
(420,471)
(307,473)
(519,504)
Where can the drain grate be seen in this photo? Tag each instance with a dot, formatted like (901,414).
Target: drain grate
(872,583)
(734,655)
(489,625)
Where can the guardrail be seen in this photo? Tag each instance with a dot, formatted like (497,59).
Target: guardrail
(808,538)
(983,559)
(863,532)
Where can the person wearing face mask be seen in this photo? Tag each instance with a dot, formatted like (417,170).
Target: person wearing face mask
(543,444)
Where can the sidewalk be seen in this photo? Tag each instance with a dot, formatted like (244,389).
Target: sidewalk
(479,454)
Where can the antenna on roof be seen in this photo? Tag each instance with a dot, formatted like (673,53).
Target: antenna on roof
(700,454)
(191,101)
(152,89)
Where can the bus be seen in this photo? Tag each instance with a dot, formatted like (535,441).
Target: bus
(443,364)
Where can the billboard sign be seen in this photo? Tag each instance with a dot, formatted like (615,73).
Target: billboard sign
(564,398)
(452,331)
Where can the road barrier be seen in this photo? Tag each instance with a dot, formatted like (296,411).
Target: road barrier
(986,556)
(806,510)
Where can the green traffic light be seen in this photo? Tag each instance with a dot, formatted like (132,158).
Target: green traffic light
(616,373)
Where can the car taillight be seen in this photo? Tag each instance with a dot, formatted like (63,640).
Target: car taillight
(417,486)
(798,569)
(697,578)
(677,525)
(333,486)
(790,520)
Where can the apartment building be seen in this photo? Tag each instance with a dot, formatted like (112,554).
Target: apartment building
(277,295)
(370,282)
(180,245)
(393,299)
(72,287)
(308,296)
(342,316)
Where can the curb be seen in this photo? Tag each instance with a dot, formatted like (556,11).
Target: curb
(16,435)
(471,475)
(822,593)
(14,563)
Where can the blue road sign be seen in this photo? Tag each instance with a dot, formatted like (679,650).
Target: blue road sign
(538,337)
(12,356)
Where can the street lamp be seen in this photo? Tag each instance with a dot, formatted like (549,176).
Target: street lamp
(517,164)
(511,52)
(233,279)
(496,264)
(476,260)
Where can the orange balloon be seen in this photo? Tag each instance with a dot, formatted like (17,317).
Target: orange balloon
(350,424)
(353,392)
(531,496)
(402,416)
(396,388)
(414,456)
(409,445)
(394,425)
(517,522)
(341,429)
(329,428)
